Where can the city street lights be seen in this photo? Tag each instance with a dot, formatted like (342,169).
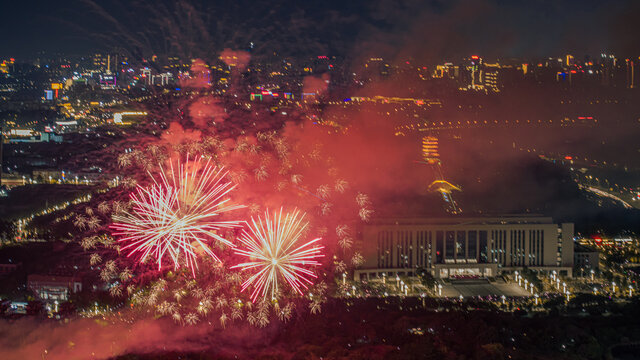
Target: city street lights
(536,297)
(595,291)
(439,289)
(557,284)
(526,284)
(384,278)
(630,291)
(564,287)
(503,299)
(592,274)
(344,278)
(568,293)
(613,286)
(397,281)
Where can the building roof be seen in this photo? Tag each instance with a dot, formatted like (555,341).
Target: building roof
(578,248)
(52,279)
(489,220)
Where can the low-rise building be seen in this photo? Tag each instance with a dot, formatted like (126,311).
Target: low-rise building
(465,247)
(51,288)
(585,258)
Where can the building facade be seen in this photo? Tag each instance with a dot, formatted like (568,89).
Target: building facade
(586,258)
(53,288)
(465,247)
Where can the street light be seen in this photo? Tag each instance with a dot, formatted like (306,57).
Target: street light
(568,293)
(344,278)
(592,274)
(564,287)
(630,291)
(536,297)
(503,299)
(397,281)
(526,284)
(595,291)
(439,289)
(613,286)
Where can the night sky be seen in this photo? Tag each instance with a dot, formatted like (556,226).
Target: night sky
(426,30)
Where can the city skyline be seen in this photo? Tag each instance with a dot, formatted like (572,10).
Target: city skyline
(334,180)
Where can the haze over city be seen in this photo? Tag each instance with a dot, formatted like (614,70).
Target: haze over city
(270,180)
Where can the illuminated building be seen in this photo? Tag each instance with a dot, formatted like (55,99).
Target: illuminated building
(430,149)
(431,157)
(124,118)
(476,71)
(446,70)
(569,61)
(100,62)
(476,247)
(161,79)
(585,258)
(6,66)
(108,81)
(53,288)
(491,80)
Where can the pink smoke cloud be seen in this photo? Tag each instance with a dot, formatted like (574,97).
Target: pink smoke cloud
(236,58)
(206,111)
(316,84)
(104,339)
(199,75)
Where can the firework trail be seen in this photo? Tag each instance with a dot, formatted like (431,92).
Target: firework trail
(275,249)
(178,215)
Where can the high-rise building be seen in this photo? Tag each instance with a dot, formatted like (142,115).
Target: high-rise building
(100,62)
(491,80)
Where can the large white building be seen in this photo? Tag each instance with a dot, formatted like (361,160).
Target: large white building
(462,247)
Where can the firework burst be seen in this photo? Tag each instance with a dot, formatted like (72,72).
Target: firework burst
(178,216)
(275,250)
